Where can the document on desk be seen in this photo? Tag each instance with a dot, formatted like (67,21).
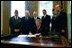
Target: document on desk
(27,36)
(31,35)
(22,36)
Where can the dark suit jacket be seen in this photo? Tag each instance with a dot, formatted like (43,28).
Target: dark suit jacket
(46,22)
(33,25)
(60,22)
(27,25)
(37,17)
(34,19)
(42,30)
(15,24)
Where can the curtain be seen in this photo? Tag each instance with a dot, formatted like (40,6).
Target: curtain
(6,15)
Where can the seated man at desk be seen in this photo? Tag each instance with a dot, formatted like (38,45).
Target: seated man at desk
(39,29)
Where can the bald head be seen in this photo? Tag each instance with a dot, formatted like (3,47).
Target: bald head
(27,13)
(58,7)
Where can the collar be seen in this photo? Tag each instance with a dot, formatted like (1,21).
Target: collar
(15,17)
(45,15)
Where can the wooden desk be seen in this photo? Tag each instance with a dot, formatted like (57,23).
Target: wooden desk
(25,41)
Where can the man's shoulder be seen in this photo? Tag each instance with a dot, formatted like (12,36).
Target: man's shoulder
(12,17)
(23,17)
(42,16)
(48,15)
(63,12)
(38,18)
(19,17)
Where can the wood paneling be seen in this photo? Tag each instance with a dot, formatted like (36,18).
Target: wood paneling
(6,15)
(1,16)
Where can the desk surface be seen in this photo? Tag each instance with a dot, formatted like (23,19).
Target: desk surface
(42,41)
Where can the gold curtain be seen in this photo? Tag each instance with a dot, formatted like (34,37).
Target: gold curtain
(34,7)
(6,15)
(56,2)
(64,6)
(1,17)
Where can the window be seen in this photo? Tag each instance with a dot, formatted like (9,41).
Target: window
(48,5)
(20,6)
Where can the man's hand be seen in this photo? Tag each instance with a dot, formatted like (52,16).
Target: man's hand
(30,33)
(62,30)
(16,30)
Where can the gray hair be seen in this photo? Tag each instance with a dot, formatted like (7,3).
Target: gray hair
(38,20)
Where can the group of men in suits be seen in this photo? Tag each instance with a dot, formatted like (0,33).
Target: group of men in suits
(28,24)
